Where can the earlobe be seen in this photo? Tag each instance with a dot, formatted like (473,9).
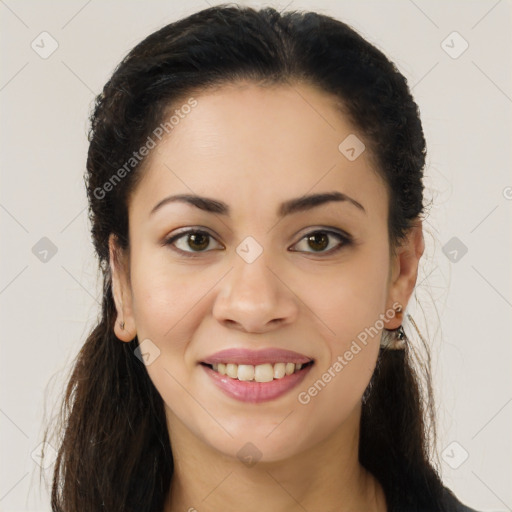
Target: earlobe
(124,327)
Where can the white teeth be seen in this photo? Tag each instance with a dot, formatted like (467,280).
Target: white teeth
(232,370)
(259,373)
(279,370)
(263,373)
(245,372)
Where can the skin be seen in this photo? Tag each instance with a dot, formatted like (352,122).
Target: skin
(254,147)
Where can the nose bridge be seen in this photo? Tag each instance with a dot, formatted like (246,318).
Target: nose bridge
(251,276)
(253,296)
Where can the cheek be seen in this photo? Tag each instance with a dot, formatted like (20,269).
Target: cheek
(355,298)
(351,310)
(165,297)
(169,307)
(335,389)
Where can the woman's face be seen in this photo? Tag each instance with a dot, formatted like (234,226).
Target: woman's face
(254,279)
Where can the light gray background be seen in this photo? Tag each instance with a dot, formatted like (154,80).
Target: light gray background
(463,307)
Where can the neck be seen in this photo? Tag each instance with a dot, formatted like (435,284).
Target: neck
(328,476)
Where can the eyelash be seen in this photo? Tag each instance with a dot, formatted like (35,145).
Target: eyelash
(344,238)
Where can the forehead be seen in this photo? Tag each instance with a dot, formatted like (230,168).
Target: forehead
(247,142)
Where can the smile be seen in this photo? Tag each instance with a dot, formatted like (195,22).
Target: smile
(251,389)
(257,373)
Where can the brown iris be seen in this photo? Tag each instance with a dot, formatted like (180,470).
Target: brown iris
(201,237)
(318,238)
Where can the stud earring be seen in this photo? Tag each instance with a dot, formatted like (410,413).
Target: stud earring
(394,339)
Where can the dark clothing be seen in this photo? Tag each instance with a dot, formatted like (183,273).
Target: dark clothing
(452,504)
(412,501)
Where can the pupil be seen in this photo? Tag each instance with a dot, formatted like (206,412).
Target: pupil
(314,238)
(194,238)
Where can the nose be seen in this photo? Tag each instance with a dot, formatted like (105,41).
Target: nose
(254,298)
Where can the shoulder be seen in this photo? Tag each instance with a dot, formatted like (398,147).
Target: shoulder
(452,504)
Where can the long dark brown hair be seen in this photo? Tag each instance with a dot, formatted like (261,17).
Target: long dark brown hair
(113,445)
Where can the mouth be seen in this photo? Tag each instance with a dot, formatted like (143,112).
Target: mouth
(266,372)
(256,376)
(256,383)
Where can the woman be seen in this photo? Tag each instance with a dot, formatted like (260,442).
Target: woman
(256,199)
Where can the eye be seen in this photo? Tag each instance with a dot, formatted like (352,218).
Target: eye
(199,241)
(196,239)
(319,240)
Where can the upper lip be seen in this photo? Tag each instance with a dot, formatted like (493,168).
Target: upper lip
(255,357)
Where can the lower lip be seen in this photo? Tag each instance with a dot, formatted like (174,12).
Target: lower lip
(256,392)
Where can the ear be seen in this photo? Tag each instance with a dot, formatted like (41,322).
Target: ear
(121,290)
(404,272)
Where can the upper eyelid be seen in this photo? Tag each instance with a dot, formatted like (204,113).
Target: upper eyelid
(185,232)
(343,237)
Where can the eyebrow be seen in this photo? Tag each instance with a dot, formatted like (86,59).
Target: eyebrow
(299,204)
